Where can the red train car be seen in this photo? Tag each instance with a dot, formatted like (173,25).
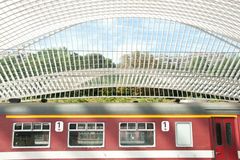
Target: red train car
(120,131)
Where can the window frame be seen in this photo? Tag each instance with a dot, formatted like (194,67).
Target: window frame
(136,124)
(31,130)
(85,129)
(191,132)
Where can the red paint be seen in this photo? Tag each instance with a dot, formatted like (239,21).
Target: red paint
(204,136)
(164,140)
(225,148)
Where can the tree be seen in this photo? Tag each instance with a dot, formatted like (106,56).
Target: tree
(138,60)
(50,60)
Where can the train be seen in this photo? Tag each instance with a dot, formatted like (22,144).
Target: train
(120,131)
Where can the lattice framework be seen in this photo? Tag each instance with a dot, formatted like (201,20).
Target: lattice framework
(186,48)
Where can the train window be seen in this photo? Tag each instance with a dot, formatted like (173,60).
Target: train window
(99,126)
(72,126)
(123,126)
(81,126)
(45,126)
(229,133)
(137,134)
(37,126)
(132,126)
(91,125)
(31,135)
(27,126)
(86,134)
(149,126)
(18,126)
(141,125)
(218,134)
(183,131)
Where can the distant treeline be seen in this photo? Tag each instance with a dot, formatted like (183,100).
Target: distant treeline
(47,61)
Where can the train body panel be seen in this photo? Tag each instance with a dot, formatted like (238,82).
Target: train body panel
(118,135)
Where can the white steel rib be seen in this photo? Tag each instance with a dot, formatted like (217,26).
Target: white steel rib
(159,48)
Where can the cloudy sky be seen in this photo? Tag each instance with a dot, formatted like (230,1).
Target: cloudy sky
(124,35)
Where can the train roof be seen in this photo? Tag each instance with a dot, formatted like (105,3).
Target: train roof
(120,108)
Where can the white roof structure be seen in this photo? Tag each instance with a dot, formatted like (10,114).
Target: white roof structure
(161,48)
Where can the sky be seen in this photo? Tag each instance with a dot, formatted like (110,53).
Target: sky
(123,35)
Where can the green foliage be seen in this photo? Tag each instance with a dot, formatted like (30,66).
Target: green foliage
(138,60)
(50,61)
(215,66)
(198,63)
(112,100)
(53,60)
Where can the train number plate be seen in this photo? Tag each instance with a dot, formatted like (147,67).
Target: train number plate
(165,126)
(58,126)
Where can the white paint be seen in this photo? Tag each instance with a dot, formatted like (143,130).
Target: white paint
(183,133)
(108,154)
(165,126)
(59,126)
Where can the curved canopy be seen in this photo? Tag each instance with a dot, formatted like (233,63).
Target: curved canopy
(24,20)
(171,48)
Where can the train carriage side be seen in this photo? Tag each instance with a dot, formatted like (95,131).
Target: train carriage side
(124,134)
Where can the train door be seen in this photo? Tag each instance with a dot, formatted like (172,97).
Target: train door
(224,139)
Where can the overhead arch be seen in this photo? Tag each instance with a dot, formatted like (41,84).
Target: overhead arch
(103,78)
(49,47)
(23,20)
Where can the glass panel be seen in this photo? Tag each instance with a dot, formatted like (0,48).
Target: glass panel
(141,125)
(27,126)
(229,133)
(123,126)
(218,134)
(18,126)
(81,126)
(72,126)
(137,138)
(45,126)
(36,126)
(86,138)
(184,134)
(24,139)
(99,126)
(149,126)
(91,126)
(131,126)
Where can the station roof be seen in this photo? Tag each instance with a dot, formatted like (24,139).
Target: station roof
(22,21)
(186,47)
